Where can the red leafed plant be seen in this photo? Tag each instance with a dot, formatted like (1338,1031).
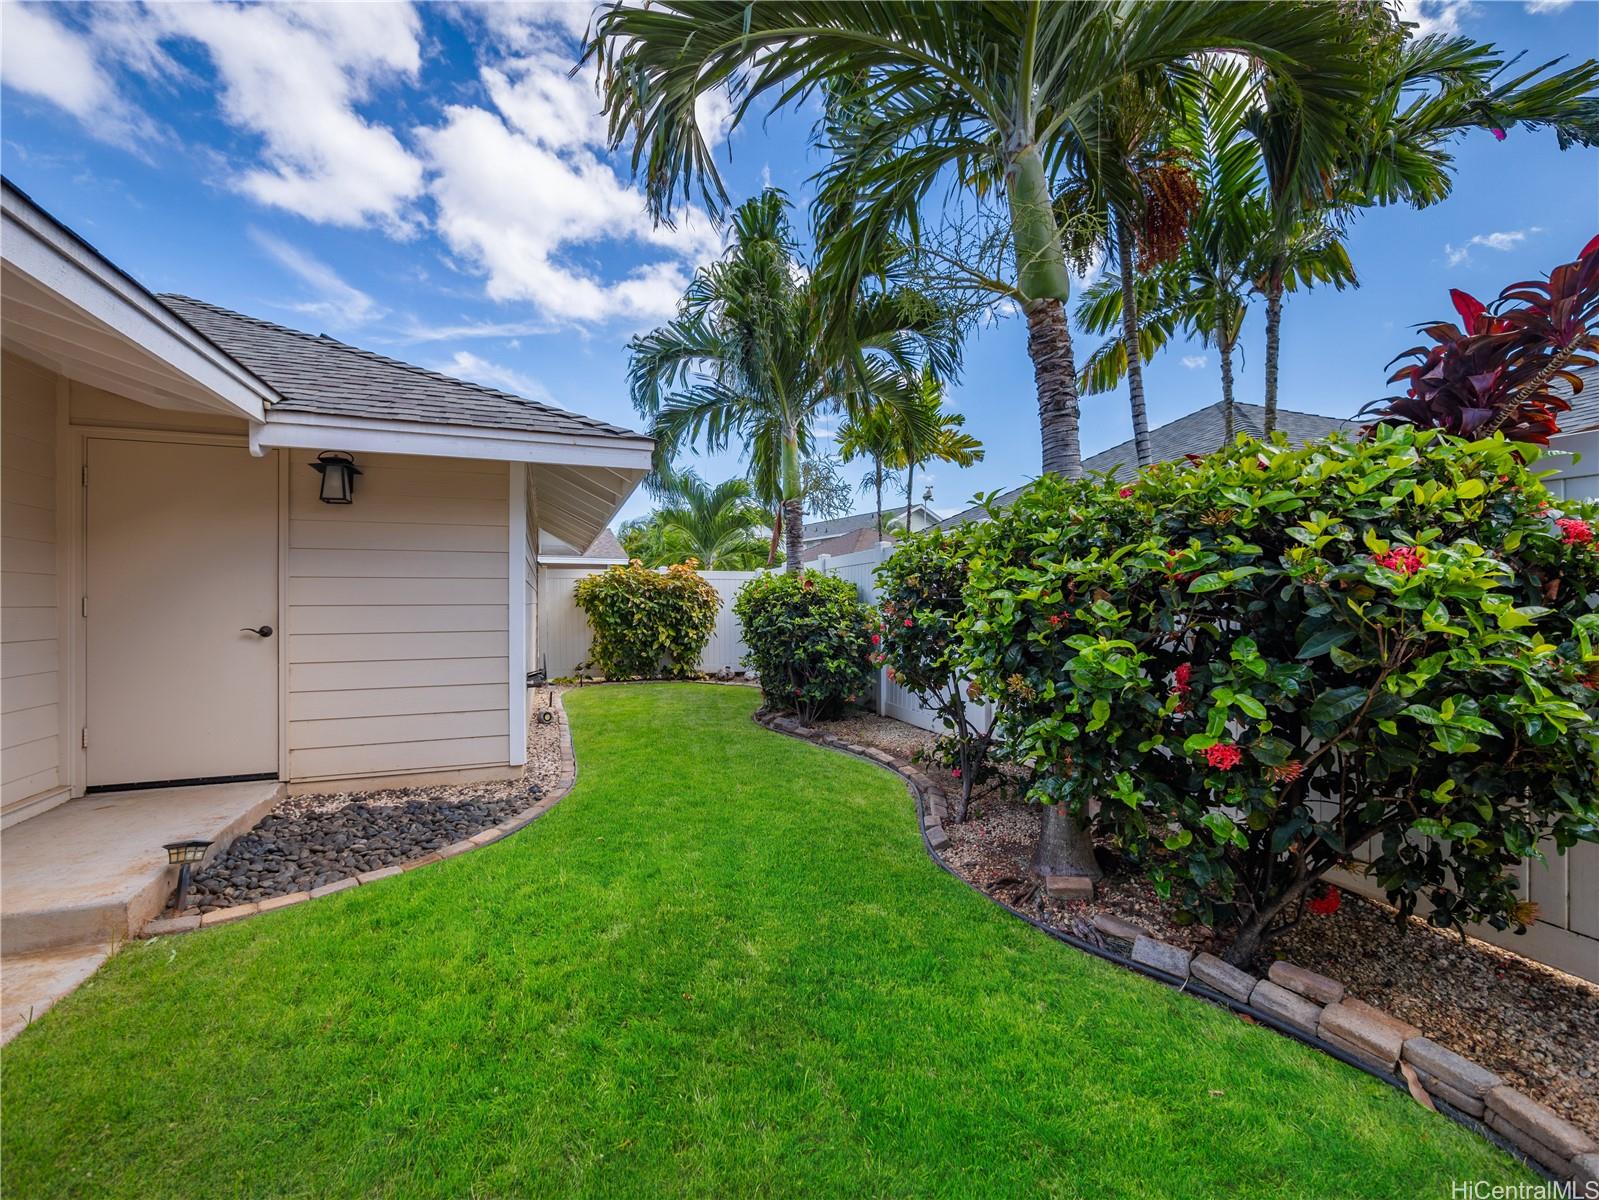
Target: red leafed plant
(1495,373)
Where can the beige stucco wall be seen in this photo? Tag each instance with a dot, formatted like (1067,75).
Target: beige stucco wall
(397,619)
(31,764)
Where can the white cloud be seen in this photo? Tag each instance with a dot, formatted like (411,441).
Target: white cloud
(1507,240)
(336,302)
(293,76)
(1195,362)
(466,365)
(1547,6)
(1434,16)
(41,56)
(520,203)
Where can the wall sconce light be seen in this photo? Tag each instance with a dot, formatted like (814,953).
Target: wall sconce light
(338,471)
(184,855)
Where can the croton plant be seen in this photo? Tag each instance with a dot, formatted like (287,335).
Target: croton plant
(1497,369)
(1276,661)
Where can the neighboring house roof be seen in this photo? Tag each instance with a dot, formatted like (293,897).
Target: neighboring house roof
(1584,414)
(1198,432)
(604,548)
(834,526)
(845,543)
(314,373)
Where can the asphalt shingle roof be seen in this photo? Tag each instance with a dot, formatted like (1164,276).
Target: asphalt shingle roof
(835,526)
(1198,432)
(318,374)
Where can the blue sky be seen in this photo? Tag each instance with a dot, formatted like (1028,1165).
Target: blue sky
(428,181)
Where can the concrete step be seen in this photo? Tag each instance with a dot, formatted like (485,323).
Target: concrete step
(93,870)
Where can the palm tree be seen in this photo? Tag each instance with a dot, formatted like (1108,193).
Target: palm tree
(720,527)
(869,435)
(750,358)
(935,434)
(922,96)
(1424,94)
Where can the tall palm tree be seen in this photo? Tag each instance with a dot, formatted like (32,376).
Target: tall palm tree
(750,359)
(923,96)
(870,435)
(933,434)
(1395,148)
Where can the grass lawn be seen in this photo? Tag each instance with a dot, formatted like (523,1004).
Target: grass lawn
(722,967)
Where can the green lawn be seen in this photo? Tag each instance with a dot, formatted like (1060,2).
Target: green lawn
(722,967)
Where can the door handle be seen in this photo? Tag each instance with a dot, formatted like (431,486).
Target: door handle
(264,631)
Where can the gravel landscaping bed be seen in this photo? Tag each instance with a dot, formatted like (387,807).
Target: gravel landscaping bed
(313,840)
(1535,1026)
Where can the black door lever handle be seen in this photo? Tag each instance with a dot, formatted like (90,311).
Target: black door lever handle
(264,631)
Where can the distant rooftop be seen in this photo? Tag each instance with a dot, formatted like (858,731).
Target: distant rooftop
(1198,432)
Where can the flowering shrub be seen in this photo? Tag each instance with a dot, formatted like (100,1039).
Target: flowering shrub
(648,624)
(809,639)
(1262,661)
(921,591)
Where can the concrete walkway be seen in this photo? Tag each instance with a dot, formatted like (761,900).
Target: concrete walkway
(79,879)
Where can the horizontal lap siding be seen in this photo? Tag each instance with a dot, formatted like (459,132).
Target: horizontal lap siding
(30,648)
(397,621)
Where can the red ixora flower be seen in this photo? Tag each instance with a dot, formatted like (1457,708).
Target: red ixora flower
(877,639)
(1055,619)
(1403,559)
(1224,756)
(955,771)
(1286,772)
(909,622)
(1183,677)
(1327,902)
(1574,532)
(1125,492)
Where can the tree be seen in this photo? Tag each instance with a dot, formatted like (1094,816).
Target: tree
(1425,93)
(748,357)
(719,527)
(925,97)
(870,436)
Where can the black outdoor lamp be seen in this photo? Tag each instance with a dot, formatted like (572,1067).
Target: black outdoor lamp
(338,471)
(184,855)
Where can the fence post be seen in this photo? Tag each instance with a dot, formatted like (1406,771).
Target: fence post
(821,563)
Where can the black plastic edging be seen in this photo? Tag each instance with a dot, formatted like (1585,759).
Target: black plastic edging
(1221,999)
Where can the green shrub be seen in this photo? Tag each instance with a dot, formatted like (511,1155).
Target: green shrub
(648,624)
(808,637)
(921,592)
(1261,661)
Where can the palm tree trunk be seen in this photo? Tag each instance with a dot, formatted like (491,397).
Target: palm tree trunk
(1135,362)
(1229,416)
(777,534)
(1274,320)
(794,533)
(877,478)
(1049,344)
(1064,847)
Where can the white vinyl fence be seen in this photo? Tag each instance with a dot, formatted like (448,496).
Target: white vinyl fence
(564,637)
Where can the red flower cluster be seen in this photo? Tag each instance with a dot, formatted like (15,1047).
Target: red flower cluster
(1574,532)
(1404,559)
(1327,902)
(909,622)
(1224,756)
(1286,772)
(1055,620)
(1125,492)
(877,639)
(1183,678)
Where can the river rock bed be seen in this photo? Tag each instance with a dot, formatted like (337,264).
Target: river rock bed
(310,841)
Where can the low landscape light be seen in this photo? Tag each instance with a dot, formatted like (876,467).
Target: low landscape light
(338,471)
(184,855)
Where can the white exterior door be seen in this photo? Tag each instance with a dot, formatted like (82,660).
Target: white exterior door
(181,570)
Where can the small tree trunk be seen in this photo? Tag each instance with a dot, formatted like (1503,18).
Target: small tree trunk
(1229,416)
(1251,937)
(1064,847)
(777,534)
(1049,345)
(1135,361)
(793,534)
(1274,321)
